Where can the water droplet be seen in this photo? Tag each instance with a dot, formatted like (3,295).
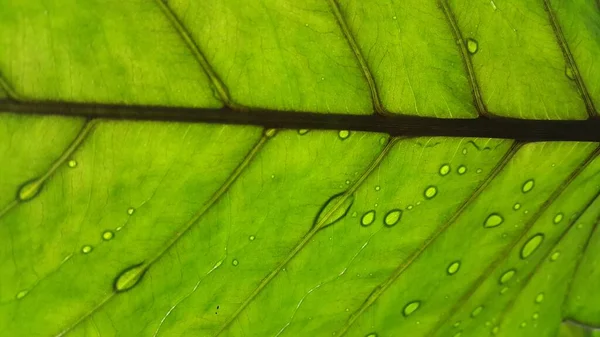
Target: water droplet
(495,330)
(569,72)
(72,163)
(503,290)
(394,17)
(269,133)
(347,182)
(462,169)
(251,237)
(507,276)
(368,218)
(118,228)
(453,267)
(464,151)
(354,214)
(30,189)
(444,169)
(479,170)
(334,210)
(516,206)
(528,185)
(458,334)
(472,46)
(235,262)
(372,334)
(129,277)
(344,134)
(539,298)
(430,192)
(86,249)
(531,245)
(493,220)
(535,315)
(409,207)
(558,218)
(411,307)
(477,311)
(302,132)
(554,256)
(523,324)
(456,324)
(392,217)
(21,294)
(580,226)
(377,188)
(130,210)
(107,235)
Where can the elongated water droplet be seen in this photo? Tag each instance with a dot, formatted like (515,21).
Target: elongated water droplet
(21,294)
(558,218)
(131,210)
(235,262)
(30,189)
(269,133)
(477,311)
(129,277)
(411,307)
(430,192)
(72,163)
(554,256)
(445,169)
(86,249)
(569,72)
(392,217)
(472,46)
(462,169)
(507,276)
(531,245)
(493,220)
(368,218)
(503,290)
(453,267)
(528,185)
(334,210)
(107,235)
(344,134)
(302,131)
(539,298)
(516,206)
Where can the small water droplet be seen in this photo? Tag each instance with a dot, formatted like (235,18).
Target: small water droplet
(334,210)
(531,245)
(129,277)
(21,294)
(558,218)
(507,276)
(306,25)
(453,268)
(344,134)
(458,334)
(493,220)
(372,334)
(130,210)
(444,169)
(462,169)
(464,150)
(269,133)
(580,226)
(430,192)
(456,324)
(118,228)
(516,206)
(479,170)
(354,214)
(554,256)
(251,237)
(383,140)
(368,218)
(107,235)
(539,298)
(535,315)
(394,17)
(72,163)
(392,217)
(409,207)
(377,188)
(86,249)
(523,324)
(411,308)
(476,311)
(569,72)
(495,330)
(30,189)
(235,262)
(347,182)
(302,132)
(472,46)
(503,290)
(528,185)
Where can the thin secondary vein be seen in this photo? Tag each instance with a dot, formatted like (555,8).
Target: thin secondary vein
(381,288)
(464,53)
(564,46)
(492,266)
(198,55)
(335,8)
(12,94)
(187,227)
(313,231)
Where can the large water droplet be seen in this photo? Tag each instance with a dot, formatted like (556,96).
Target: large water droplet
(507,276)
(344,134)
(411,307)
(462,169)
(30,189)
(477,311)
(539,298)
(445,169)
(367,218)
(558,218)
(554,256)
(392,217)
(334,210)
(493,220)
(453,267)
(472,46)
(87,249)
(129,277)
(528,185)
(569,72)
(72,163)
(531,245)
(430,192)
(107,235)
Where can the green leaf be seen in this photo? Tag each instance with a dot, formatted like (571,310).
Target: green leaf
(248,206)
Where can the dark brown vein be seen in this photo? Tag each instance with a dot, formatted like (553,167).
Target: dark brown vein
(494,264)
(395,125)
(198,55)
(466,57)
(309,235)
(380,289)
(335,8)
(564,46)
(268,134)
